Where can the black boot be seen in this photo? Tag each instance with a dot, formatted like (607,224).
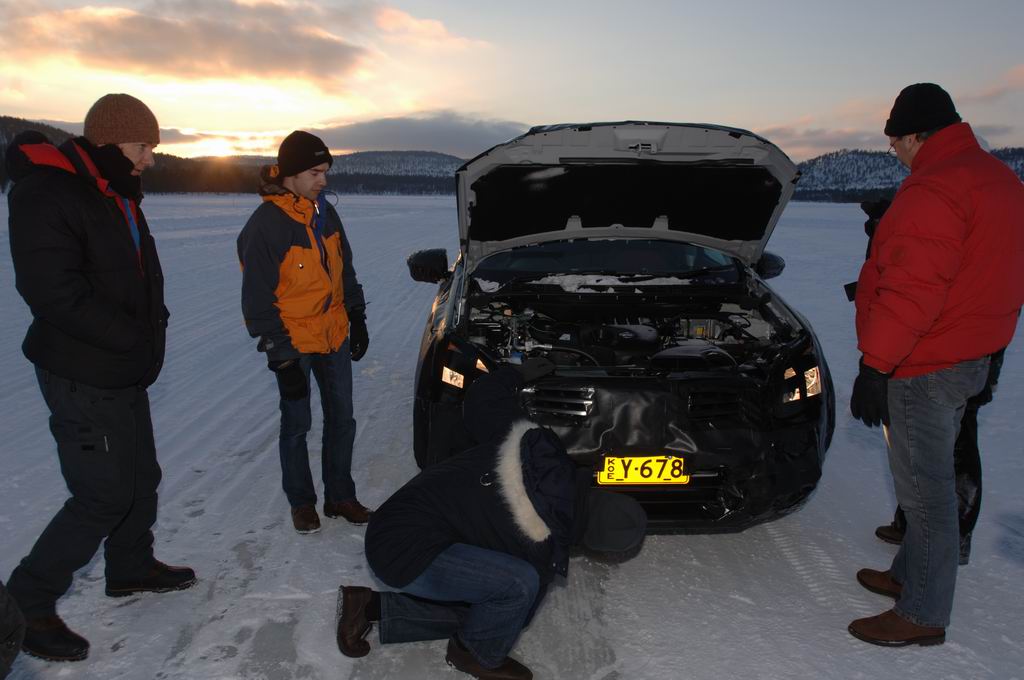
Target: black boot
(49,638)
(459,658)
(160,579)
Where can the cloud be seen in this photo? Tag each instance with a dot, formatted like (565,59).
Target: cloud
(426,32)
(803,143)
(176,136)
(993,130)
(1009,82)
(216,39)
(445,131)
(167,135)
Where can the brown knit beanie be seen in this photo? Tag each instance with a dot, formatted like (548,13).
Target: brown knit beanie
(120,118)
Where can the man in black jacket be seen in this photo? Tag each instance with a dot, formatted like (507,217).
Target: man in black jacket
(87,267)
(473,542)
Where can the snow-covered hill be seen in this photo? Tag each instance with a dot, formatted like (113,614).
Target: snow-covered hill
(851,170)
(852,173)
(397,163)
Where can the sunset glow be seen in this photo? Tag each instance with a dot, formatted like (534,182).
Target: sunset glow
(231,77)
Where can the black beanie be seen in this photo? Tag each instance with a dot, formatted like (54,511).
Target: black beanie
(301,151)
(919,108)
(616,523)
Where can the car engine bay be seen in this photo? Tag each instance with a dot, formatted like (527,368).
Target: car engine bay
(711,336)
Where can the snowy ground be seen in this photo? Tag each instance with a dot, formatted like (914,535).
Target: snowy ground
(772,602)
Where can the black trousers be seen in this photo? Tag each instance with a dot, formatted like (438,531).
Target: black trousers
(12,631)
(108,459)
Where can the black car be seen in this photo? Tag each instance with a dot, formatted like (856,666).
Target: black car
(631,255)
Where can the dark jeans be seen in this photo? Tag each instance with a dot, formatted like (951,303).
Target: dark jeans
(925,413)
(12,631)
(333,374)
(967,463)
(486,597)
(108,459)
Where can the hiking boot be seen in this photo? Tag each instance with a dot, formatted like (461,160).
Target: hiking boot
(352,624)
(49,638)
(879,582)
(352,510)
(890,533)
(889,629)
(459,658)
(160,579)
(305,520)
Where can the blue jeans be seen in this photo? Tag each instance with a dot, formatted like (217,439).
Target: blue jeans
(333,374)
(925,413)
(484,596)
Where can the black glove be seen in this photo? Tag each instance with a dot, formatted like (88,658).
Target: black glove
(291,381)
(358,336)
(534,368)
(874,210)
(870,399)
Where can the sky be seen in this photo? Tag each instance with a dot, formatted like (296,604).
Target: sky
(234,76)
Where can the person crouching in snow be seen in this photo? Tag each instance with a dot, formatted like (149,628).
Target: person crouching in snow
(301,298)
(473,541)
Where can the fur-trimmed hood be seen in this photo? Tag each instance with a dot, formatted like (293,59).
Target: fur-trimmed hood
(509,471)
(538,484)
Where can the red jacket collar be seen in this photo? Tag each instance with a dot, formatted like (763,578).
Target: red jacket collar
(48,155)
(943,144)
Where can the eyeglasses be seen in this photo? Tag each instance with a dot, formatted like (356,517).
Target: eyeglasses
(892,149)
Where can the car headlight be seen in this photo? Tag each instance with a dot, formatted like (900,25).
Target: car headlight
(811,387)
(453,378)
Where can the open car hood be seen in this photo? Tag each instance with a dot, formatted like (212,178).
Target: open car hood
(713,186)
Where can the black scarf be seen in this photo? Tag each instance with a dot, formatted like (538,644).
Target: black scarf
(114,167)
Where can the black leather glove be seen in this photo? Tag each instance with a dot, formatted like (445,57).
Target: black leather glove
(358,336)
(291,381)
(870,399)
(874,210)
(534,368)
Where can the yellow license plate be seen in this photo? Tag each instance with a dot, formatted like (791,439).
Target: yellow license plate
(643,470)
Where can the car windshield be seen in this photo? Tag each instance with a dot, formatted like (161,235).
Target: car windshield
(621,257)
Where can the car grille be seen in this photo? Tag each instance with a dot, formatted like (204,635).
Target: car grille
(706,405)
(718,407)
(565,402)
(724,405)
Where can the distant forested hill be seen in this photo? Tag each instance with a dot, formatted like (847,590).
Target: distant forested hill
(855,175)
(841,176)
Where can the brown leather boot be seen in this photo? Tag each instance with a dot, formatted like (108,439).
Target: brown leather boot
(352,624)
(889,629)
(352,510)
(459,657)
(879,582)
(49,638)
(305,520)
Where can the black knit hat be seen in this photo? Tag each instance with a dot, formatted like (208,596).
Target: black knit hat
(615,523)
(919,108)
(301,151)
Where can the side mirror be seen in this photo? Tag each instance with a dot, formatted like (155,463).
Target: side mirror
(770,265)
(429,266)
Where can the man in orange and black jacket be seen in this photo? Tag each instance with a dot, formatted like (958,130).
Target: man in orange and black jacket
(301,298)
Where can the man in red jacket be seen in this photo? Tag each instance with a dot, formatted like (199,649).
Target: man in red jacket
(941,290)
